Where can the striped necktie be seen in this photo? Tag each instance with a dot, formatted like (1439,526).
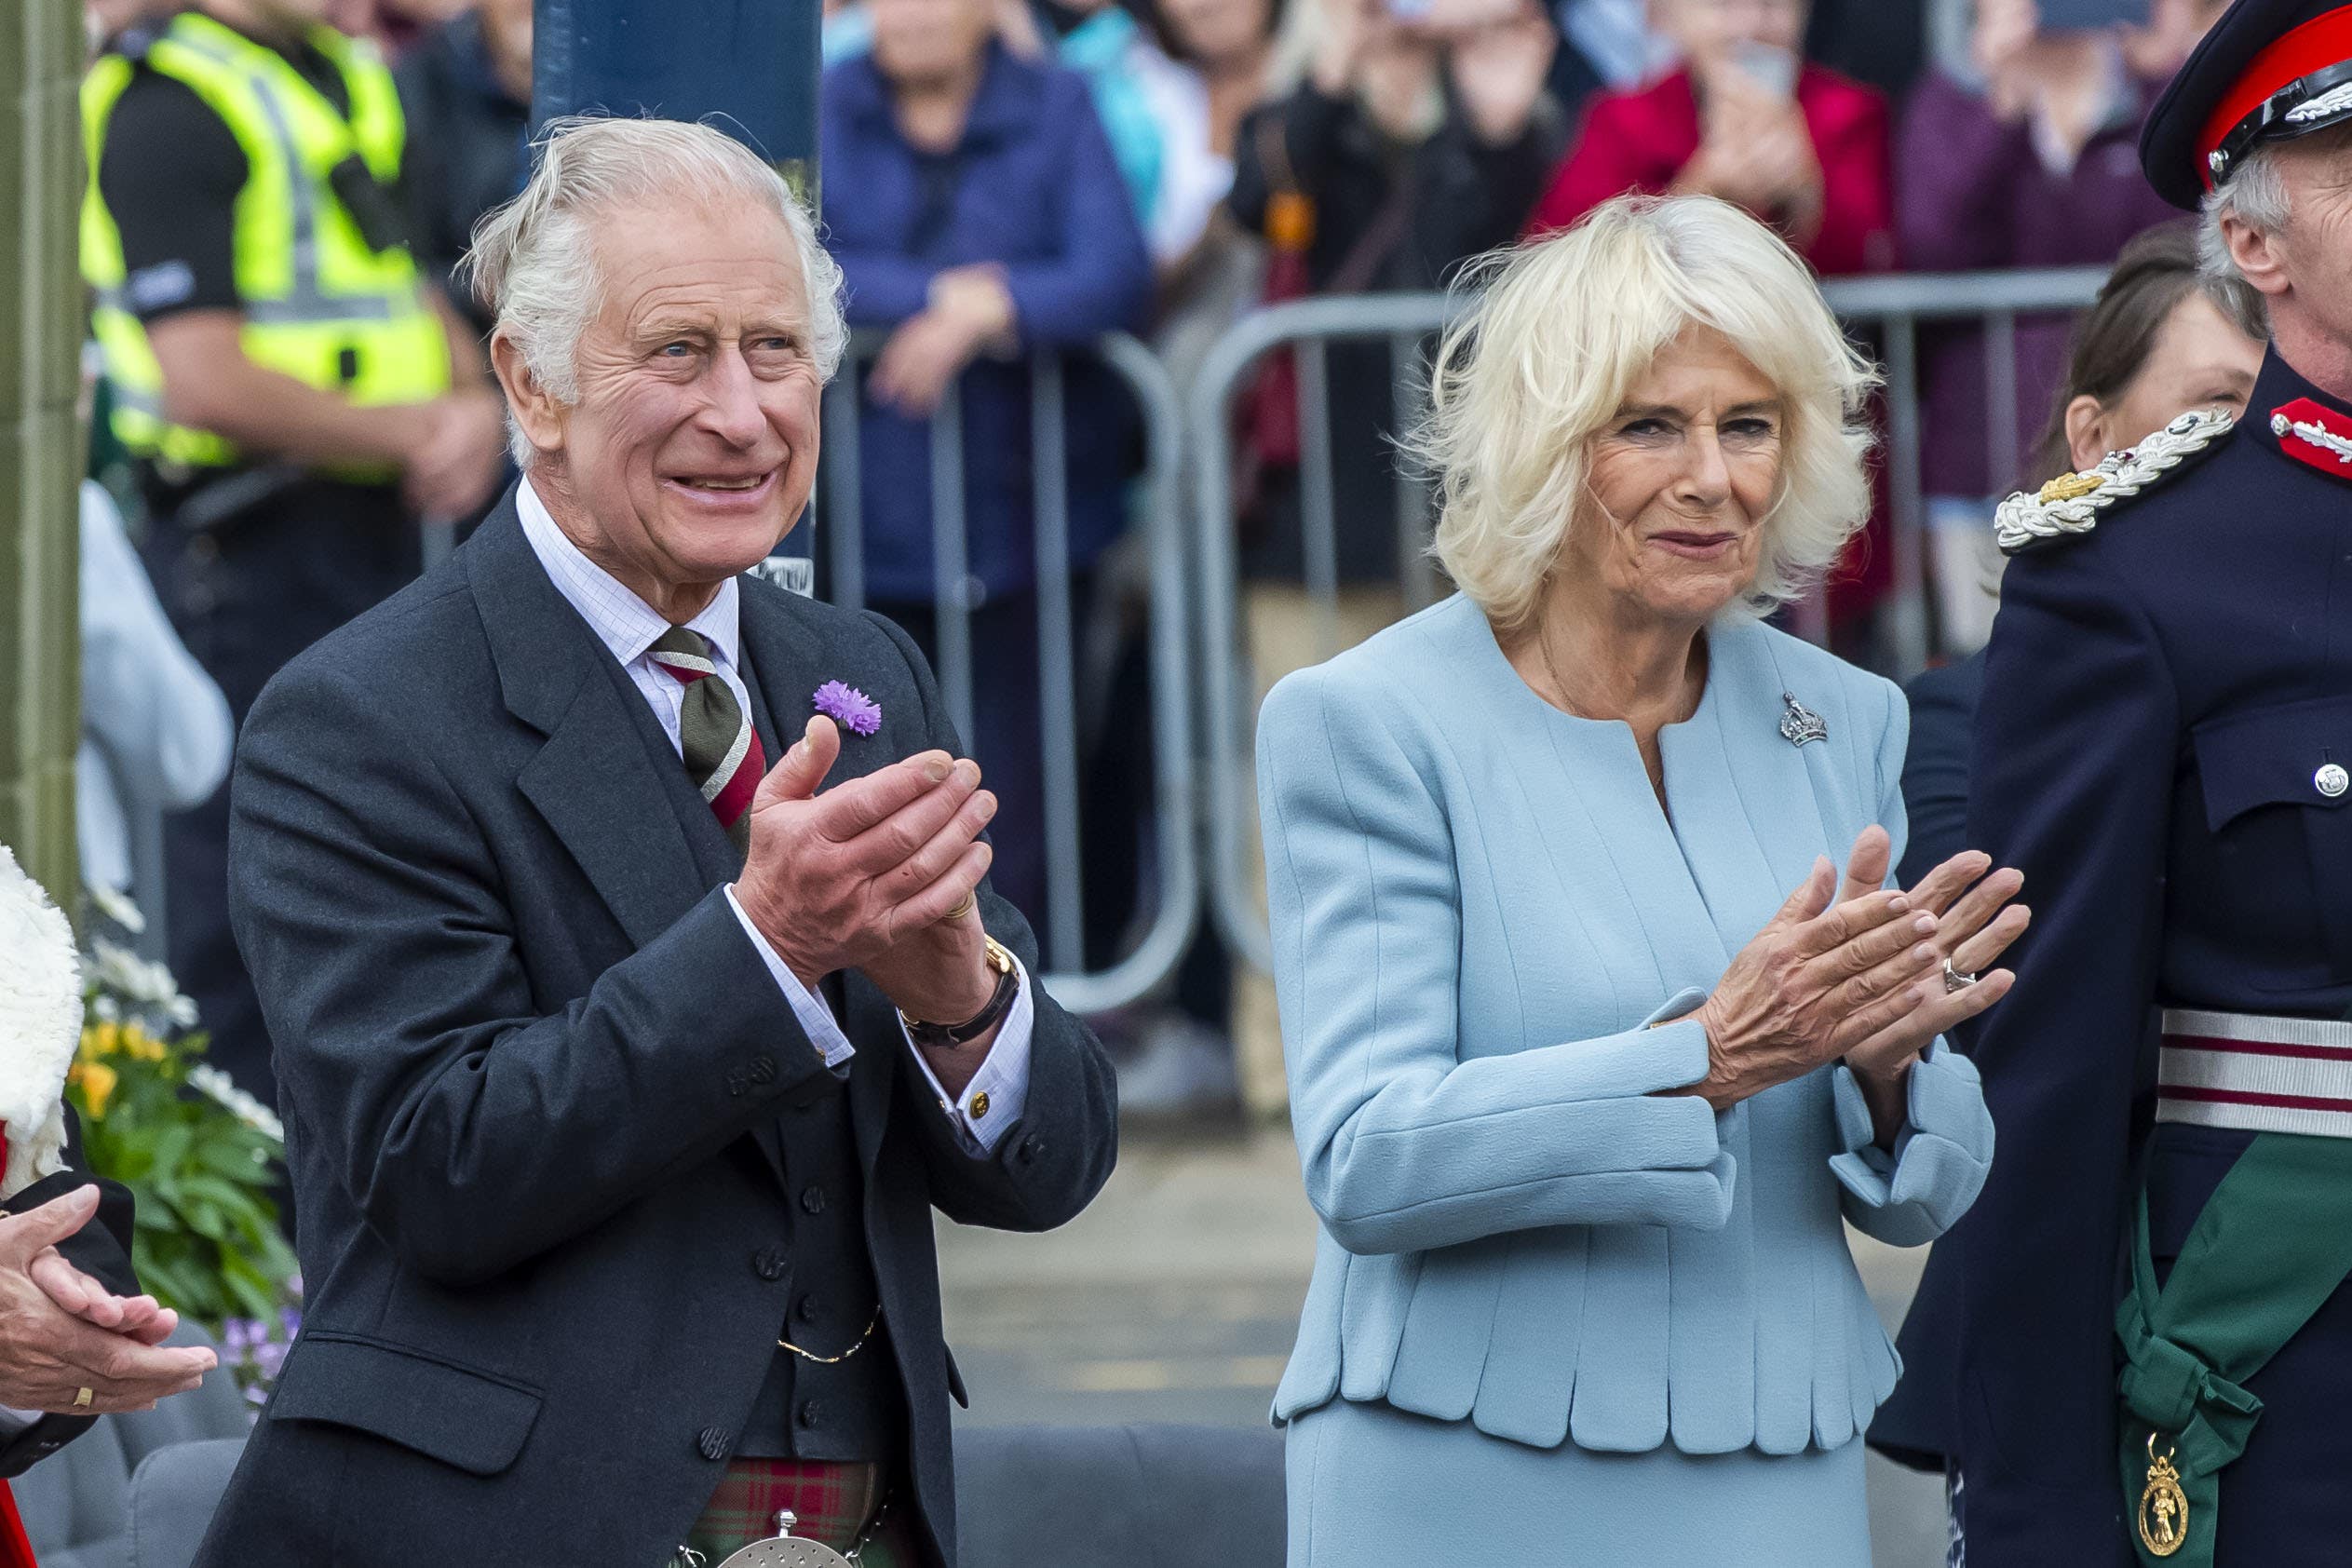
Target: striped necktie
(721,748)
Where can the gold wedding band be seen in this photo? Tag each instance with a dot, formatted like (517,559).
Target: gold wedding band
(81,1398)
(964,906)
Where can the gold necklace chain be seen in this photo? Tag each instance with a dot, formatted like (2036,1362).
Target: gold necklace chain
(855,1345)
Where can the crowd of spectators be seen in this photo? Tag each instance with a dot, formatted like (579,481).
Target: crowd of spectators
(1002,175)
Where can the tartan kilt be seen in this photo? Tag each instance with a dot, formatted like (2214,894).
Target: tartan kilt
(833,1503)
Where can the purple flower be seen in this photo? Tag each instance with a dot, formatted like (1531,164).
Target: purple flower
(849,707)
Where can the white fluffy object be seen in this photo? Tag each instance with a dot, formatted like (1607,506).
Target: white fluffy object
(40,1025)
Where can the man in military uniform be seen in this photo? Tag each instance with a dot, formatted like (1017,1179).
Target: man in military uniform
(2155,1354)
(294,395)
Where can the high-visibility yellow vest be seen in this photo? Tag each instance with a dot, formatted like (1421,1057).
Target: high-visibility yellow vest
(320,304)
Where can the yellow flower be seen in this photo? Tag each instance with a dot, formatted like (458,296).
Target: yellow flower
(96,1080)
(100,1038)
(139,1045)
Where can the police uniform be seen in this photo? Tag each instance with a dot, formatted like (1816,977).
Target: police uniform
(229,172)
(2156,1342)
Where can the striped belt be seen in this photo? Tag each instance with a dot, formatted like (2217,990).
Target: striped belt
(2256,1075)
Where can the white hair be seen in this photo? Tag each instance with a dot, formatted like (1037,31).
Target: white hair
(1542,359)
(533,261)
(2256,195)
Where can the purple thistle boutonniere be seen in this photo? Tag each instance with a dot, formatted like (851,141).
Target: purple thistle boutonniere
(849,707)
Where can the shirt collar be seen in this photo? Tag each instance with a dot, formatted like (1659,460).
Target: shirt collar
(624,623)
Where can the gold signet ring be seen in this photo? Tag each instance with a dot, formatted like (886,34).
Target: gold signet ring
(81,1398)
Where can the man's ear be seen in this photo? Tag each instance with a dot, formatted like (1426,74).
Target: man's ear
(2256,253)
(535,409)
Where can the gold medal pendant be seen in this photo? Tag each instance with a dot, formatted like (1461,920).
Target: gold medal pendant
(2164,1507)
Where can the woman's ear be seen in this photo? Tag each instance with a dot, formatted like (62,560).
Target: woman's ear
(535,409)
(2085,432)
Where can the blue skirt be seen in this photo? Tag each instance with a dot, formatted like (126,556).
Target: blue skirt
(1370,1486)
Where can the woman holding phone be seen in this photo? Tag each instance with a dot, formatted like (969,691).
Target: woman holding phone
(1743,118)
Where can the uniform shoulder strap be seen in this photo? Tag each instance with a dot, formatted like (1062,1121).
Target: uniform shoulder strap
(2069,505)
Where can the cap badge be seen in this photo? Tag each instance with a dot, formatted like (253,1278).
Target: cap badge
(2070,504)
(2333,101)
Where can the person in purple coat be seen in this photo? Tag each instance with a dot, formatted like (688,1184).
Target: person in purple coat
(2030,162)
(972,201)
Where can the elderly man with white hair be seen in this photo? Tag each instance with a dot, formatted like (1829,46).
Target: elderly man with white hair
(622,926)
(2156,1350)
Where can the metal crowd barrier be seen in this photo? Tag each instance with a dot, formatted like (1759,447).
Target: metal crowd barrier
(1889,309)
(1175,887)
(1202,837)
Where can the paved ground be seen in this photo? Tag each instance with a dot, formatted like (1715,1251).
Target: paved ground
(1175,1298)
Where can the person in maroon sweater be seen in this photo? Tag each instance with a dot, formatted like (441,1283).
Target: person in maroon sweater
(2024,155)
(1745,118)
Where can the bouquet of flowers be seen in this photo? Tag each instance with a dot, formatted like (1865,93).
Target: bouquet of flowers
(199,1154)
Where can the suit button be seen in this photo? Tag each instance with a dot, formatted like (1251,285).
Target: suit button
(809,1412)
(979,1104)
(768,1263)
(812,1200)
(763,1070)
(805,1308)
(1029,1149)
(736,1086)
(2331,780)
(712,1443)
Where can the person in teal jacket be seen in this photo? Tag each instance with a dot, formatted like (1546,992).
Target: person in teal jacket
(1590,1051)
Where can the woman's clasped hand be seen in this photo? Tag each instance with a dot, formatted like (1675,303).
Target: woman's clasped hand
(1850,971)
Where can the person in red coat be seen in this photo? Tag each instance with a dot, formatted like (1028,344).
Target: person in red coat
(1745,118)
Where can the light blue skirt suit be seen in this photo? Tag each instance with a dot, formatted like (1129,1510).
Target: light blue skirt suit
(1557,1318)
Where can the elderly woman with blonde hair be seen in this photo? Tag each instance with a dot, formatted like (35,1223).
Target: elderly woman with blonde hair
(1591,1044)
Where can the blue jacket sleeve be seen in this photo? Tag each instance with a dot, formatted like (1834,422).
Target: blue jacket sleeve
(2077,738)
(1912,1195)
(1099,276)
(1405,1146)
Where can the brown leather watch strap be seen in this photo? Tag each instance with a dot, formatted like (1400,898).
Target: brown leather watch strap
(1000,1003)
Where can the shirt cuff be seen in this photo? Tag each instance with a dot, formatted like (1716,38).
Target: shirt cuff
(817,1020)
(13,1421)
(999,1091)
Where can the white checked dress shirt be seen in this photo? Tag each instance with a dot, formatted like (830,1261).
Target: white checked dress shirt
(628,626)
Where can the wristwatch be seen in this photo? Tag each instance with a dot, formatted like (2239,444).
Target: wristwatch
(949,1035)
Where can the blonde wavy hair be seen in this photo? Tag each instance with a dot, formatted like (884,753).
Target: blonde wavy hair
(1559,331)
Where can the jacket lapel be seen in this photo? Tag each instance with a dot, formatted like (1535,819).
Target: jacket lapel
(592,782)
(784,663)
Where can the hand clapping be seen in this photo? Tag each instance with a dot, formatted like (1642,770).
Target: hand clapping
(62,1332)
(865,876)
(1857,973)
